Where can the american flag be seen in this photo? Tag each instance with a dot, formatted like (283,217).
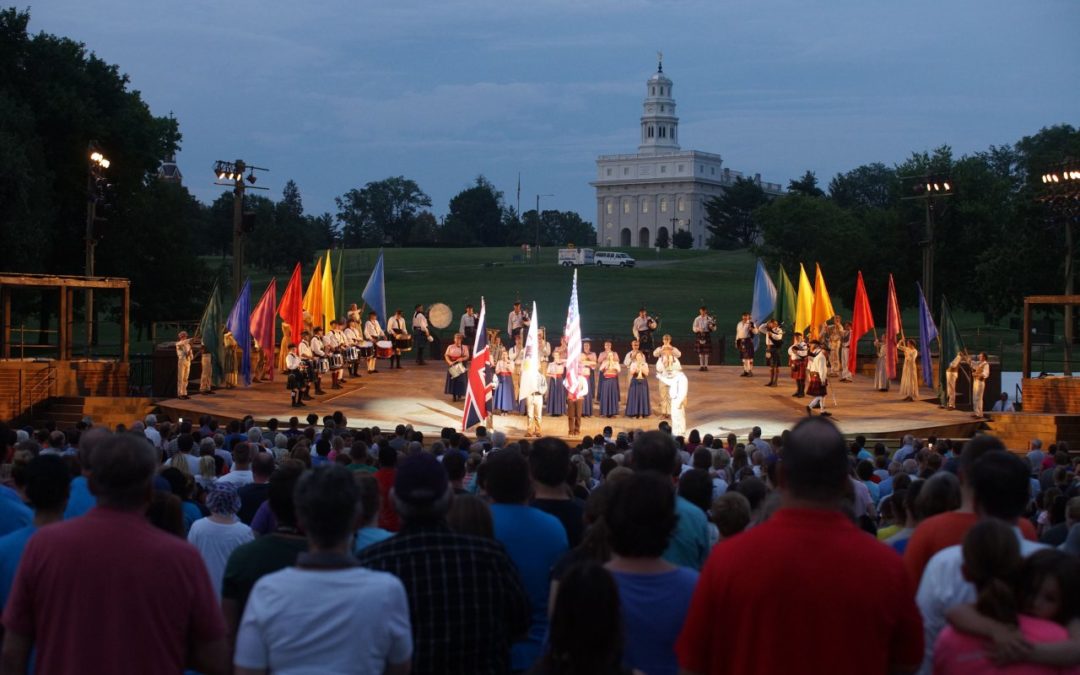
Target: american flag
(575,384)
(476,392)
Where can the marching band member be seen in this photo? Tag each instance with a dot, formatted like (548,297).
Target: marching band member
(798,353)
(294,365)
(397,329)
(608,382)
(353,338)
(643,328)
(980,373)
(343,346)
(331,348)
(456,357)
(421,335)
(667,362)
(184,356)
(373,332)
(637,394)
(517,321)
(744,340)
(703,327)
(556,372)
(307,358)
(354,314)
(774,338)
(467,325)
(318,351)
(819,379)
(588,361)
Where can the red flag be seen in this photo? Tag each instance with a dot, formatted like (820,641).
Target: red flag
(262,328)
(861,321)
(291,309)
(892,328)
(477,392)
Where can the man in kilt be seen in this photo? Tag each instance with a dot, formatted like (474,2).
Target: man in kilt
(797,359)
(818,374)
(774,338)
(296,381)
(745,331)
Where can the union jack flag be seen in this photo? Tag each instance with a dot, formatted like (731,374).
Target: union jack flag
(575,384)
(477,391)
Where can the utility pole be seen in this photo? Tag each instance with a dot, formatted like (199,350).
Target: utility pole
(94,193)
(538,224)
(231,174)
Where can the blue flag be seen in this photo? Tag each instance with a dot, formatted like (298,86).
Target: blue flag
(927,334)
(375,292)
(764,295)
(239,325)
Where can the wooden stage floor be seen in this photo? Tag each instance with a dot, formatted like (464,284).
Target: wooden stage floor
(720,402)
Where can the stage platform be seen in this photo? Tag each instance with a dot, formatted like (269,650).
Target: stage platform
(720,402)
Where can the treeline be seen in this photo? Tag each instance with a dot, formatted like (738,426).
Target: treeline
(995,238)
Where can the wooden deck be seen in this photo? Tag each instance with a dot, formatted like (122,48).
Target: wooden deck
(720,402)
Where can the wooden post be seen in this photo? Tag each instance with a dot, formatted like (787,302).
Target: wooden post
(125,327)
(5,301)
(63,339)
(1026,366)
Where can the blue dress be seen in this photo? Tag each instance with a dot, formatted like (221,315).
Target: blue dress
(556,403)
(587,402)
(608,394)
(503,399)
(455,386)
(637,398)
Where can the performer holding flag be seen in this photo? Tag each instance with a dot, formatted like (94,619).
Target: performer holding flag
(479,386)
(533,384)
(576,380)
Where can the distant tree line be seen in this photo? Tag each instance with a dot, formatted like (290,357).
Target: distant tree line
(995,239)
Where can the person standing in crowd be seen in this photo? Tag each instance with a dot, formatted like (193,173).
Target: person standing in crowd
(980,373)
(608,382)
(745,331)
(703,327)
(909,376)
(549,464)
(421,334)
(467,325)
(465,595)
(141,601)
(637,394)
(219,534)
(457,359)
(798,360)
(534,539)
(398,331)
(881,367)
(689,544)
(315,617)
(184,355)
(819,379)
(774,341)
(825,605)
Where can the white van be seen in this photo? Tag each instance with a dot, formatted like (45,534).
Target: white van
(613,258)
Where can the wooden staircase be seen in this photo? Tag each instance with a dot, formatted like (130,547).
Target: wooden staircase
(25,389)
(1017,429)
(107,411)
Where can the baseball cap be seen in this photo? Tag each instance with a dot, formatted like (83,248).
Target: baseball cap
(420,479)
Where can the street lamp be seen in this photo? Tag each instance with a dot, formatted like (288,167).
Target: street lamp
(95,193)
(231,174)
(927,188)
(538,224)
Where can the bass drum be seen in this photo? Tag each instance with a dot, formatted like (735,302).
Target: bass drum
(440,315)
(403,343)
(384,349)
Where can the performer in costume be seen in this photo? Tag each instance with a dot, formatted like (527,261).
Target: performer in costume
(556,372)
(677,387)
(881,368)
(845,351)
(457,359)
(703,327)
(980,373)
(909,377)
(421,334)
(353,338)
(307,357)
(206,376)
(798,353)
(233,354)
(516,322)
(354,314)
(318,352)
(819,378)
(833,334)
(286,346)
(745,331)
(952,373)
(295,382)
(643,328)
(575,399)
(258,360)
(516,354)
(637,394)
(184,356)
(545,346)
(774,339)
(608,382)
(588,362)
(667,361)
(332,348)
(503,398)
(533,388)
(467,325)
(398,330)
(373,332)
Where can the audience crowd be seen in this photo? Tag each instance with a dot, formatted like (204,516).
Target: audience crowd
(311,546)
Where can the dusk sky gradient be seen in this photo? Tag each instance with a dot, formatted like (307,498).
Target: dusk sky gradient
(334,94)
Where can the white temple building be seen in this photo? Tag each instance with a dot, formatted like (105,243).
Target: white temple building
(662,188)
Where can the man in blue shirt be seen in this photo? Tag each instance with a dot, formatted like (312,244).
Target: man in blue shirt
(689,545)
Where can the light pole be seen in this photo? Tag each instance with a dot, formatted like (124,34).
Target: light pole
(231,174)
(95,191)
(1061,192)
(538,224)
(926,188)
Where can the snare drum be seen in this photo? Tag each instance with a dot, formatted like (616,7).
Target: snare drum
(457,370)
(367,349)
(337,362)
(352,354)
(384,349)
(403,343)
(324,365)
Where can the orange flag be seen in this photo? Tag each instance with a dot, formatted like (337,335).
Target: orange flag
(291,309)
(823,309)
(861,321)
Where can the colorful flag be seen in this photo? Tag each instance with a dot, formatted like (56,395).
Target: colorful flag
(477,392)
(532,380)
(291,309)
(861,322)
(574,382)
(210,328)
(240,328)
(893,327)
(313,296)
(951,345)
(263,329)
(804,303)
(329,313)
(927,334)
(375,292)
(764,295)
(339,284)
(823,311)
(785,307)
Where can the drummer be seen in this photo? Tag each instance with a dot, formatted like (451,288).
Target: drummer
(373,333)
(333,351)
(307,360)
(457,359)
(353,338)
(399,332)
(295,368)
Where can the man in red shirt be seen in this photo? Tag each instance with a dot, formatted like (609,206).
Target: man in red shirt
(388,515)
(108,592)
(837,600)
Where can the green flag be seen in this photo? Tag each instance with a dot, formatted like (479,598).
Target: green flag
(951,345)
(339,284)
(210,330)
(785,300)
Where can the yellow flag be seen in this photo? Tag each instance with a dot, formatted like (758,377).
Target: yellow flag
(823,309)
(313,304)
(804,303)
(329,313)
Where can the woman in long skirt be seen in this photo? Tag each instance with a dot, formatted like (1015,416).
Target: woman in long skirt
(881,370)
(909,378)
(588,361)
(608,385)
(502,400)
(456,357)
(637,395)
(556,402)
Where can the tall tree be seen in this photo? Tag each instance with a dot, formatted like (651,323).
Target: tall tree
(868,186)
(475,217)
(382,212)
(730,216)
(806,186)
